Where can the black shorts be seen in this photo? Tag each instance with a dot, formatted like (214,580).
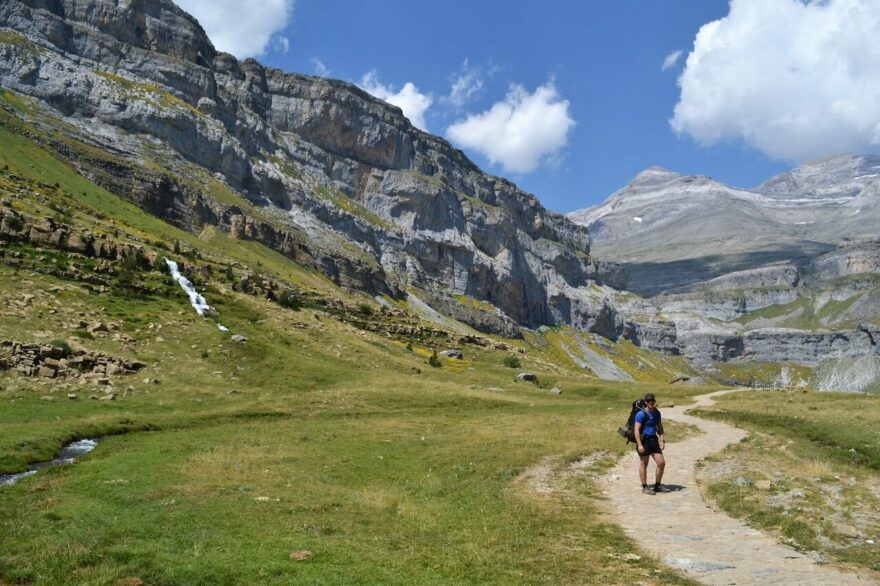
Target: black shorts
(651,443)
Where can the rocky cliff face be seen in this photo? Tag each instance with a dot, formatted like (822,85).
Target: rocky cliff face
(315,168)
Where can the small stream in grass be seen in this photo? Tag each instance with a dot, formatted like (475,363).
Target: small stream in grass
(69,453)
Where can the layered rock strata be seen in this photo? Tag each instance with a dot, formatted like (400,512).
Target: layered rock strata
(315,168)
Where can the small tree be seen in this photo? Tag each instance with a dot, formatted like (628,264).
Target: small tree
(434,360)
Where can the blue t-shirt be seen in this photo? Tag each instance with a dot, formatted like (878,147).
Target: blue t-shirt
(650,420)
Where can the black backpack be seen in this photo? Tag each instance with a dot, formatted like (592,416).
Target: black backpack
(628,432)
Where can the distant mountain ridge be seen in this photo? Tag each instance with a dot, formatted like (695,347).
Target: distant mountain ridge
(664,217)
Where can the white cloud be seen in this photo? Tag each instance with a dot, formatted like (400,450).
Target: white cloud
(281,44)
(671,60)
(409,98)
(520,132)
(794,79)
(241,27)
(466,84)
(321,70)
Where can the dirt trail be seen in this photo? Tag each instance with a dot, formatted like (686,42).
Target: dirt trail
(689,534)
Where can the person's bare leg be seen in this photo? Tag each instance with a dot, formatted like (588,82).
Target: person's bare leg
(661,465)
(643,469)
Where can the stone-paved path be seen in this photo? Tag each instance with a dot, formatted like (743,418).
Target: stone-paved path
(689,534)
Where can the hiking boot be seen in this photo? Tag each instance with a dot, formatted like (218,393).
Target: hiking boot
(648,489)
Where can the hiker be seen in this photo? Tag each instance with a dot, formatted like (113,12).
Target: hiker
(650,443)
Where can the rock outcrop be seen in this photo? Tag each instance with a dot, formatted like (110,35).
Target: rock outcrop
(47,361)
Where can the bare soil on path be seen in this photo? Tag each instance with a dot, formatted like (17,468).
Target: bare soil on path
(689,534)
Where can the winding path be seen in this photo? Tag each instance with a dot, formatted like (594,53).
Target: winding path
(687,533)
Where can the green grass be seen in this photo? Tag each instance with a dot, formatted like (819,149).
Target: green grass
(150,92)
(336,439)
(803,314)
(20,42)
(822,446)
(312,435)
(761,374)
(352,207)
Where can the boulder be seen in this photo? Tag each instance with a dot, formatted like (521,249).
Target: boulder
(46,372)
(556,391)
(527,377)
(239,338)
(457,354)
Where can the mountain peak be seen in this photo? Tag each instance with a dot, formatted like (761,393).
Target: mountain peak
(654,174)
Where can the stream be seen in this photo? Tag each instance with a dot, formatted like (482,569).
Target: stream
(69,454)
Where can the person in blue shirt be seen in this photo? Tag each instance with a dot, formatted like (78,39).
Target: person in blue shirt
(650,443)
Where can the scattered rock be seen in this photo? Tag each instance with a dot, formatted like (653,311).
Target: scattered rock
(239,338)
(457,354)
(109,397)
(47,361)
(741,481)
(846,530)
(527,376)
(496,389)
(97,327)
(763,484)
(555,391)
(71,396)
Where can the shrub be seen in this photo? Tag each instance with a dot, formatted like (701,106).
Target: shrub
(159,264)
(125,283)
(60,344)
(511,361)
(15,224)
(434,360)
(176,247)
(365,309)
(289,300)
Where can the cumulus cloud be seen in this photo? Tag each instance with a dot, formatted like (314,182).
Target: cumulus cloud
(519,132)
(242,27)
(409,99)
(794,79)
(466,84)
(321,70)
(671,60)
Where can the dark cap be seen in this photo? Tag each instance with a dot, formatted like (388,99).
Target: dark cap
(649,397)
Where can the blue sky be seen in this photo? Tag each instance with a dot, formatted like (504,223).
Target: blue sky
(600,101)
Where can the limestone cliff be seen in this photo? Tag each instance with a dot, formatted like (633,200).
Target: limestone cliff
(315,168)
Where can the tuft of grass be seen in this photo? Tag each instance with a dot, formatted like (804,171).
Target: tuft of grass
(511,361)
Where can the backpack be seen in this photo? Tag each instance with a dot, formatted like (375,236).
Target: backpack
(628,432)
